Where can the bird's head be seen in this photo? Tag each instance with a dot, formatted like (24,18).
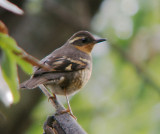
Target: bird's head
(84,41)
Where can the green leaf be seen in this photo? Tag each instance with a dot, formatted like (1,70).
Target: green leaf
(9,63)
(9,71)
(28,68)
(9,44)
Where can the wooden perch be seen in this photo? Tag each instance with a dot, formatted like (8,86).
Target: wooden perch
(60,123)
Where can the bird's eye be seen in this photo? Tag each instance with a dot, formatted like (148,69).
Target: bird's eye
(84,40)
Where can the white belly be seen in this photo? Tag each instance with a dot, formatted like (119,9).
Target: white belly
(80,79)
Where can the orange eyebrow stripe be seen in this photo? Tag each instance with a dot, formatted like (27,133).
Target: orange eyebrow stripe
(74,39)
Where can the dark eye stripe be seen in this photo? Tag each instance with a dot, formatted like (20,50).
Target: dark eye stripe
(85,40)
(80,42)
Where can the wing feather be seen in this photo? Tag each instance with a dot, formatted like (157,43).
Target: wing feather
(61,64)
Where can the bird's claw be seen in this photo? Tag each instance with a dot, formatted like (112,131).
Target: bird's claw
(52,97)
(68,111)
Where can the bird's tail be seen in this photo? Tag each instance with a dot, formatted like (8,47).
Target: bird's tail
(32,83)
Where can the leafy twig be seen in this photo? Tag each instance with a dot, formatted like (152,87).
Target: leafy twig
(32,60)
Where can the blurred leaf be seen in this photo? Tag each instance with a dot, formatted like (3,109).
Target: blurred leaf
(27,67)
(3,28)
(9,44)
(9,64)
(5,93)
(9,71)
(11,7)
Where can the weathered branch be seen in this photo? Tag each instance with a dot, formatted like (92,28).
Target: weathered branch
(60,123)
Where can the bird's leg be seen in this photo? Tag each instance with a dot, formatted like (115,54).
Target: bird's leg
(68,110)
(69,107)
(48,94)
(54,97)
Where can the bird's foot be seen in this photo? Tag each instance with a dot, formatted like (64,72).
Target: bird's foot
(52,97)
(68,111)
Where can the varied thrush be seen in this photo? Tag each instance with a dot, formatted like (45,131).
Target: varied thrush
(72,67)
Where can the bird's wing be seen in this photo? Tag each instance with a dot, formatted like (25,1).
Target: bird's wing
(62,64)
(59,64)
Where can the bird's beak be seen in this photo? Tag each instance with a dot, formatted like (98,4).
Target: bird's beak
(99,40)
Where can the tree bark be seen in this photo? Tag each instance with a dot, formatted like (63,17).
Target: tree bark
(60,123)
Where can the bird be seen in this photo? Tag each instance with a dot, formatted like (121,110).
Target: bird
(71,67)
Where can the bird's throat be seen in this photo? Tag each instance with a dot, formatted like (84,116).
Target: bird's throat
(86,48)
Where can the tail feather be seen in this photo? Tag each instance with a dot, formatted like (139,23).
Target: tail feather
(32,83)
